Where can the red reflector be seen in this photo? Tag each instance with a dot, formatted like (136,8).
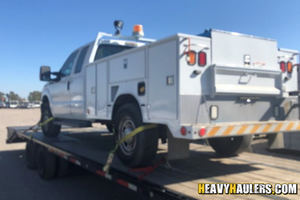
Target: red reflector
(282,66)
(202,58)
(101,173)
(202,132)
(183,131)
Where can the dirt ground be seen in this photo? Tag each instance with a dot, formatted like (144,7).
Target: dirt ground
(16,117)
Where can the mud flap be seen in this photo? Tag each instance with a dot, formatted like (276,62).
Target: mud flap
(177,148)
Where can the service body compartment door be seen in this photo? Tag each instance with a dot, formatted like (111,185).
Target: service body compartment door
(127,67)
(243,81)
(230,49)
(101,90)
(163,81)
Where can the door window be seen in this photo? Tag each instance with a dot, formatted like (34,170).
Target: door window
(67,67)
(81,59)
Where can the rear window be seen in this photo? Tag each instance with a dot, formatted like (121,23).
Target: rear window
(107,50)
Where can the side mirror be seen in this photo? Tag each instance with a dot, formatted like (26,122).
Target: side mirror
(45,73)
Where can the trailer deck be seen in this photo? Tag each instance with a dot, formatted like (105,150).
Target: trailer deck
(89,149)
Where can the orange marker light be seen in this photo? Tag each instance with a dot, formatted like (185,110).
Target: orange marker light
(191,57)
(290,67)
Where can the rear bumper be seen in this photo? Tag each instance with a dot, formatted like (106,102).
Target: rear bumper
(239,129)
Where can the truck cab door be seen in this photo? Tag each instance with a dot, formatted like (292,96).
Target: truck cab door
(77,103)
(60,90)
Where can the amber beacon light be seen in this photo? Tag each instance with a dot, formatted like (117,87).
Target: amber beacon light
(138,31)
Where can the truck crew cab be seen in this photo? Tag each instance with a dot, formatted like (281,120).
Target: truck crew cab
(220,86)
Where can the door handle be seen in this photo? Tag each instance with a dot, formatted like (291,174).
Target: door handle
(68,85)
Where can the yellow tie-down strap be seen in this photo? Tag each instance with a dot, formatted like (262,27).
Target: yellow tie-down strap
(130,135)
(252,128)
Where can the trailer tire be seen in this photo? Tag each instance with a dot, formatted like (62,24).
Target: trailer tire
(63,168)
(141,149)
(230,146)
(50,129)
(46,163)
(31,155)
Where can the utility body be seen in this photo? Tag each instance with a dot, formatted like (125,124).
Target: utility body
(221,86)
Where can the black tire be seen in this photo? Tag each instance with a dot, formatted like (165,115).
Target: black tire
(230,146)
(141,149)
(46,163)
(31,155)
(63,167)
(50,129)
(109,127)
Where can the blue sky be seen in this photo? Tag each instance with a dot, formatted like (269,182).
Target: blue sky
(35,32)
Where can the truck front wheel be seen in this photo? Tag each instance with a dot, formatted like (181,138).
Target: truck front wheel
(141,149)
(230,146)
(50,129)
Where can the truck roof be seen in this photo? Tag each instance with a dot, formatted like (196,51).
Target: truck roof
(208,33)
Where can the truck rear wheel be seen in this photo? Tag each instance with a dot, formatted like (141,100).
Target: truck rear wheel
(50,129)
(230,146)
(46,163)
(141,149)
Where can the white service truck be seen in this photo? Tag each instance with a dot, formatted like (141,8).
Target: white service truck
(220,86)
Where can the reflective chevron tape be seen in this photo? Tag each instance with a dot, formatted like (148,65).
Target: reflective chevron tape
(253,128)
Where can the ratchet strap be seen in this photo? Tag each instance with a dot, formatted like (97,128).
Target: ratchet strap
(39,124)
(130,135)
(148,170)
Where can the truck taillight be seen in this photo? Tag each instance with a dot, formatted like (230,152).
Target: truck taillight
(202,58)
(290,67)
(282,66)
(202,132)
(183,130)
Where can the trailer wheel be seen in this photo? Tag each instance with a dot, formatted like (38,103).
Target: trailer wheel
(63,168)
(109,127)
(141,149)
(230,146)
(50,129)
(46,163)
(31,155)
